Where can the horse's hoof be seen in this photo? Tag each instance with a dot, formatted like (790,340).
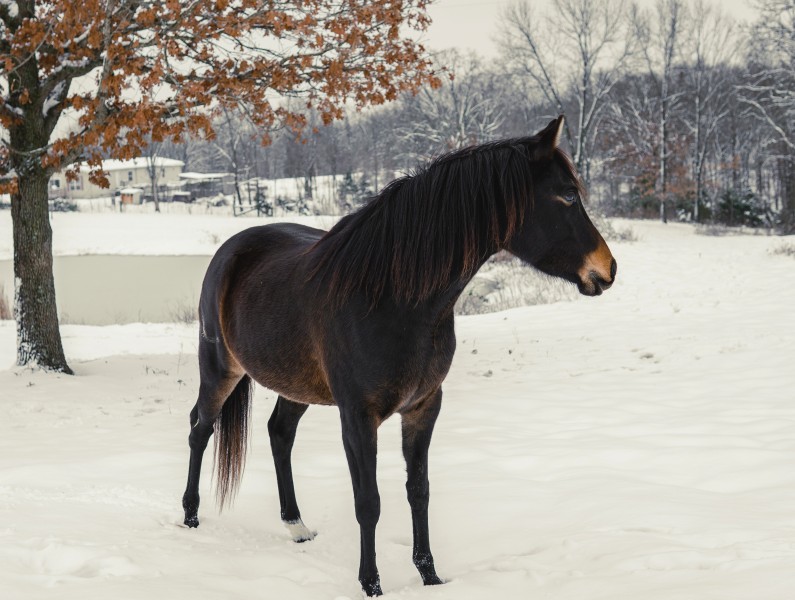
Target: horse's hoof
(299,531)
(192,521)
(424,564)
(432,579)
(372,587)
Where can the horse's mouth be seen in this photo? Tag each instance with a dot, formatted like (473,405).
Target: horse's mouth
(593,285)
(589,289)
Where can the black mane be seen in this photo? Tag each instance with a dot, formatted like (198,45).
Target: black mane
(432,227)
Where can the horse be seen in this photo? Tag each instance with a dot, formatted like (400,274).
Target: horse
(361,317)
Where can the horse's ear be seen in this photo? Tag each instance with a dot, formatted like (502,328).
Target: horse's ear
(548,139)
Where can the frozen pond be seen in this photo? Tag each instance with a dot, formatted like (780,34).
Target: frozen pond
(102,289)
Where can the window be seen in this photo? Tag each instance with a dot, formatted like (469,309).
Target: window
(129,175)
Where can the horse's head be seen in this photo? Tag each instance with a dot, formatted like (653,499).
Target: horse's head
(556,236)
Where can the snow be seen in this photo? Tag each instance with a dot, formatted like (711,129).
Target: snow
(635,445)
(53,98)
(11,6)
(66,63)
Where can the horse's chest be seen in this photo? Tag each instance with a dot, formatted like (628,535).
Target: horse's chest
(428,378)
(388,360)
(421,364)
(413,372)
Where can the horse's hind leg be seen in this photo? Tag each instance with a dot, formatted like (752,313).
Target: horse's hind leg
(282,427)
(417,424)
(217,383)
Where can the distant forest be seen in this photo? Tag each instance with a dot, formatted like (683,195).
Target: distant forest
(675,111)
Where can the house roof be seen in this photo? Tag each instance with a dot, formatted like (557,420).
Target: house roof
(138,162)
(203,176)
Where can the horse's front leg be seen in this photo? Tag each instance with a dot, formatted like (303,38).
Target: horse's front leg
(417,425)
(359,436)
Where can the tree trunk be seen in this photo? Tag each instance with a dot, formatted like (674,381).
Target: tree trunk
(699,161)
(155,199)
(38,337)
(787,214)
(663,156)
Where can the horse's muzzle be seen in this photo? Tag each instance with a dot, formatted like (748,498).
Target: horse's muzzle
(594,283)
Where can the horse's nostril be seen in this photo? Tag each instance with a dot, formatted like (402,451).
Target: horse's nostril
(613,269)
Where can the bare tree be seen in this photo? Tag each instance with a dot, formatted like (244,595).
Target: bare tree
(152,156)
(462,112)
(713,44)
(574,55)
(659,34)
(771,93)
(628,144)
(235,133)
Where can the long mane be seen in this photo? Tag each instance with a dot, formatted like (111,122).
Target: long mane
(430,228)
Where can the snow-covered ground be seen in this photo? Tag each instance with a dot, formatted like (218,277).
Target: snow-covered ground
(639,445)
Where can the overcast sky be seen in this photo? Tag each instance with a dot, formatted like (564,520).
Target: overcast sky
(473,23)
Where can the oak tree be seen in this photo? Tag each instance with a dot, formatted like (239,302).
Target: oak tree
(80,81)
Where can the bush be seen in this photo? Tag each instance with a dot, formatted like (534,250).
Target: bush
(62,205)
(741,208)
(505,282)
(352,194)
(611,233)
(785,249)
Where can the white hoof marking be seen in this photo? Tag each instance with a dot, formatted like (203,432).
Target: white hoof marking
(299,531)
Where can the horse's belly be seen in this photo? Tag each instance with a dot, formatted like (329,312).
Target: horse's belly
(301,383)
(289,370)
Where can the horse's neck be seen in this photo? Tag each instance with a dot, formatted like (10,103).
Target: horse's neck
(443,302)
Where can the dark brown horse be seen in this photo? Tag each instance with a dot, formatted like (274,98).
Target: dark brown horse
(361,316)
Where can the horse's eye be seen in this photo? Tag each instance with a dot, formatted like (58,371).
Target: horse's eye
(570,197)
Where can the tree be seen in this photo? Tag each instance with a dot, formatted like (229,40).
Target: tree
(627,144)
(153,166)
(376,142)
(575,55)
(771,93)
(712,45)
(233,132)
(122,72)
(660,36)
(462,112)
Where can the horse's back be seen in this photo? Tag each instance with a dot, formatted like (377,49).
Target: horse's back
(250,248)
(264,239)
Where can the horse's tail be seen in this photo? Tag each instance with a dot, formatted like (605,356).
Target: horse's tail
(231,441)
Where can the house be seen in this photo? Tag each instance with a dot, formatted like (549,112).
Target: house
(130,195)
(203,185)
(133,173)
